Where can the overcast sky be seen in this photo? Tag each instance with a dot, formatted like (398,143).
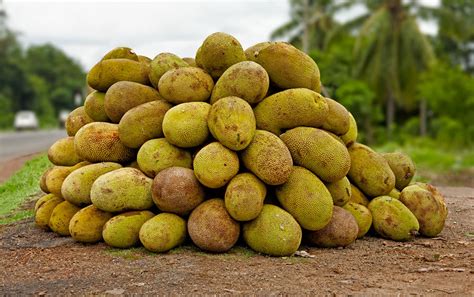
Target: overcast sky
(86,30)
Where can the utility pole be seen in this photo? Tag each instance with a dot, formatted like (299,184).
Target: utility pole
(3,21)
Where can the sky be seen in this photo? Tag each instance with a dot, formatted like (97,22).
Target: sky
(86,30)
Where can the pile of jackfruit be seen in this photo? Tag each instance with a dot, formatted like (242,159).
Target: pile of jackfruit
(230,145)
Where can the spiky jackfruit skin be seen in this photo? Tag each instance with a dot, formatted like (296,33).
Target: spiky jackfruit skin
(44,211)
(121,53)
(185,84)
(122,230)
(177,190)
(393,220)
(288,67)
(403,168)
(362,215)
(43,199)
(76,120)
(338,119)
(350,136)
(142,123)
(215,165)
(185,125)
(211,227)
(428,206)
(125,95)
(341,230)
(56,176)
(394,193)
(191,62)
(144,59)
(158,154)
(122,190)
(274,232)
(61,217)
(252,52)
(289,109)
(163,232)
(319,152)
(232,122)
(100,142)
(340,191)
(268,158)
(246,80)
(107,72)
(94,106)
(77,185)
(87,224)
(218,52)
(357,196)
(306,198)
(161,64)
(244,197)
(62,152)
(369,171)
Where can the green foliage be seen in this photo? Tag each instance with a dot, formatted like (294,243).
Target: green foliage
(20,187)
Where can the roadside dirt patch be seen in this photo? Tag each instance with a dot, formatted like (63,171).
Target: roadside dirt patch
(39,262)
(9,167)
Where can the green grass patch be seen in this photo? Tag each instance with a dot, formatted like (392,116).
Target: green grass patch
(20,187)
(133,253)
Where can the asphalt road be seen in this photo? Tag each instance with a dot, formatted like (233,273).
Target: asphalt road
(17,144)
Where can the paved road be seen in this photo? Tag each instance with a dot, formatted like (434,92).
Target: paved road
(17,144)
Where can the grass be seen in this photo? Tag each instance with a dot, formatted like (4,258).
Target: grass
(20,187)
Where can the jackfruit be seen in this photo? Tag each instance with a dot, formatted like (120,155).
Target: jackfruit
(163,232)
(95,107)
(161,64)
(244,197)
(232,122)
(76,120)
(338,119)
(268,158)
(319,152)
(56,176)
(306,198)
(351,135)
(191,62)
(87,224)
(122,230)
(211,227)
(252,52)
(340,191)
(62,152)
(403,168)
(44,211)
(121,53)
(42,200)
(215,165)
(61,217)
(358,197)
(362,215)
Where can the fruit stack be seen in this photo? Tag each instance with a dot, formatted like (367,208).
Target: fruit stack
(232,144)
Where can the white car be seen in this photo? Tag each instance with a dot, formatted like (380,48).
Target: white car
(63,114)
(26,120)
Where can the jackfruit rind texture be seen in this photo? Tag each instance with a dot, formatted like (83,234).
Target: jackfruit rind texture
(107,72)
(318,151)
(268,158)
(362,215)
(340,191)
(44,211)
(274,232)
(61,217)
(350,136)
(163,232)
(76,120)
(403,168)
(94,107)
(161,64)
(244,197)
(289,109)
(338,119)
(62,152)
(122,230)
(87,224)
(121,53)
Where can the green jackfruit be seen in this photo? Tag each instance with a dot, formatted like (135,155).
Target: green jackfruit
(177,190)
(158,154)
(185,84)
(77,185)
(121,190)
(56,176)
(125,95)
(121,53)
(306,198)
(232,122)
(42,182)
(288,67)
(393,220)
(185,125)
(338,118)
(61,217)
(246,80)
(268,158)
(161,64)
(44,211)
(215,165)
(244,197)
(342,230)
(76,120)
(42,200)
(191,62)
(142,123)
(122,230)
(100,142)
(403,168)
(163,232)
(428,206)
(394,193)
(340,191)
(358,197)
(252,52)
(362,215)
(369,171)
(351,135)
(274,232)
(87,224)
(62,152)
(95,106)
(319,152)
(218,52)
(107,72)
(144,59)
(289,109)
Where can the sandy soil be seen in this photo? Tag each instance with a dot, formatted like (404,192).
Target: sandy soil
(41,263)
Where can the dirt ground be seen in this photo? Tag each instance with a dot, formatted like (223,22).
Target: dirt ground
(41,263)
